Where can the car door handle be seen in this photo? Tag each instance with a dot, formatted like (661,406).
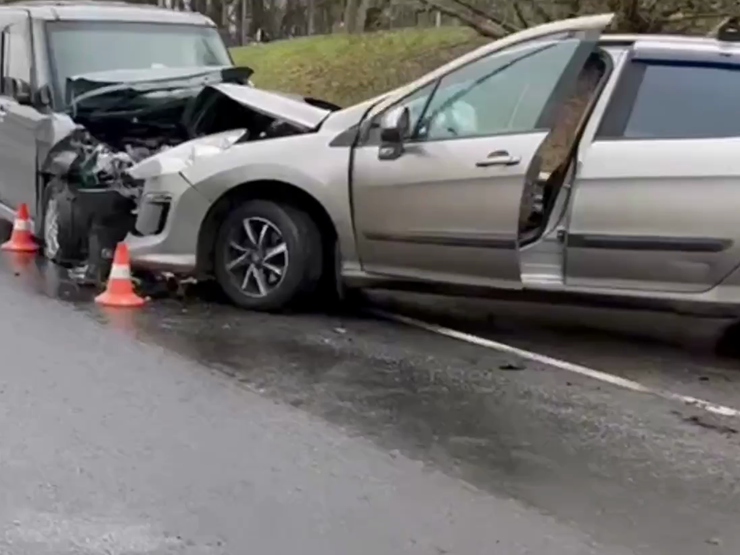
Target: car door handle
(498,158)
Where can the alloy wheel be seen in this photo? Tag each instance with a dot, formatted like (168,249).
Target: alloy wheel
(257,258)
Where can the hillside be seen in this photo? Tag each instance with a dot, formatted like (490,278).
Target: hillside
(346,69)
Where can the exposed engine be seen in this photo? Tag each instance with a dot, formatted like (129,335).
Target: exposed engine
(97,164)
(106,142)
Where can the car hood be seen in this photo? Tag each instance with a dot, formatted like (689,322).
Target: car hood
(81,88)
(293,109)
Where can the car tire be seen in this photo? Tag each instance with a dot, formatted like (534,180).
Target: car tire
(59,236)
(268,256)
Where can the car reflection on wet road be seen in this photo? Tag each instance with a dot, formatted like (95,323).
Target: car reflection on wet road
(193,427)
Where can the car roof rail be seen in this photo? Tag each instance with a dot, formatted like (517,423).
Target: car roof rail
(97,3)
(729,30)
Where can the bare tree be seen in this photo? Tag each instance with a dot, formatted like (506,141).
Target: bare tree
(492,18)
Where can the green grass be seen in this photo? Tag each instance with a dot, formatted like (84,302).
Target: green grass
(346,69)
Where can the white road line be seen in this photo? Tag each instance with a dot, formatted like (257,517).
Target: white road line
(561,364)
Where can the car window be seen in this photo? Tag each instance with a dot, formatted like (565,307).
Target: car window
(686,102)
(81,47)
(502,93)
(16,56)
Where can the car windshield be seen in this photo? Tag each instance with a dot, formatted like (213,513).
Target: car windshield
(81,47)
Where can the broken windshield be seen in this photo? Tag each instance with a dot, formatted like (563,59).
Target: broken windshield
(81,47)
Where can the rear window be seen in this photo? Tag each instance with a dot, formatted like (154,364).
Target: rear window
(684,102)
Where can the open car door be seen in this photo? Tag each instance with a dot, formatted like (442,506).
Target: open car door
(440,166)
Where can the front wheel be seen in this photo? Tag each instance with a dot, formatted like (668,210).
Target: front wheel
(268,255)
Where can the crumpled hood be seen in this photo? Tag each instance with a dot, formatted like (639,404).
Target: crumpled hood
(281,106)
(91,85)
(285,107)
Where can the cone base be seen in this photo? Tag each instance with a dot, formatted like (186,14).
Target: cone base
(123,300)
(13,246)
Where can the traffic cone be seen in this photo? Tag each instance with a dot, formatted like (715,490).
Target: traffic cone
(21,239)
(120,290)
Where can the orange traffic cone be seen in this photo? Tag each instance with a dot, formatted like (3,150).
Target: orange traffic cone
(120,290)
(21,239)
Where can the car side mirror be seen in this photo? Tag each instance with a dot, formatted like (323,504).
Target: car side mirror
(42,98)
(22,92)
(394,128)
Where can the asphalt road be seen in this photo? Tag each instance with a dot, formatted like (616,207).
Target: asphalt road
(194,428)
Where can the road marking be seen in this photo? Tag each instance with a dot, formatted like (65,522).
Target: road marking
(561,364)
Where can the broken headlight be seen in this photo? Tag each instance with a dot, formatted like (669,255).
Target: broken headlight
(178,158)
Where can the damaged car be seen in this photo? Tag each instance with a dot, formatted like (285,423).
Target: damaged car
(62,65)
(553,164)
(117,121)
(90,89)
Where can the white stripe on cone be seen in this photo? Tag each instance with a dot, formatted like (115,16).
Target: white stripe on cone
(21,225)
(120,271)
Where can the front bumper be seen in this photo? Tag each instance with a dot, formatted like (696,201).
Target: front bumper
(168,221)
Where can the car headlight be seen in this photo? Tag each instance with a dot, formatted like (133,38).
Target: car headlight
(210,146)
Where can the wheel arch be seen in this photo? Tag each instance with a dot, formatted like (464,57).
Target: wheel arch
(265,189)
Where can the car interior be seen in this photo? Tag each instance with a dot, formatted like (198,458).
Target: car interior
(543,205)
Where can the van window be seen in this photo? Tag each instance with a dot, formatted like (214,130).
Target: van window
(16,56)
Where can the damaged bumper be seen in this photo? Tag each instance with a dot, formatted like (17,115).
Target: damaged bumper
(170,209)
(165,235)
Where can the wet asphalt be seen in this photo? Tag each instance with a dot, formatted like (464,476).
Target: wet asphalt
(192,427)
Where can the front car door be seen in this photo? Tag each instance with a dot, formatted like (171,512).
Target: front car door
(657,199)
(18,118)
(448,209)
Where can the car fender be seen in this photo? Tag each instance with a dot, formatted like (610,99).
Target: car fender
(54,155)
(307,162)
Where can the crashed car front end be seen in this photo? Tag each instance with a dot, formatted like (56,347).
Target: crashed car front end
(169,207)
(129,183)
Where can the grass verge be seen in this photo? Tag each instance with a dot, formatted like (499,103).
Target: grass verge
(346,69)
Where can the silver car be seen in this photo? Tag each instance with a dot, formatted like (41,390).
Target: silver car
(554,164)
(82,98)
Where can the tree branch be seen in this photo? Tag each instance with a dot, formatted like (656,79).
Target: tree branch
(541,12)
(486,15)
(520,15)
(574,8)
(680,17)
(715,30)
(483,26)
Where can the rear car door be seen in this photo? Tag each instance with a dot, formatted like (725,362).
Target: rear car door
(18,118)
(447,210)
(658,196)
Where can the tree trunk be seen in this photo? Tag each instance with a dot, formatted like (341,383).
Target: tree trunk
(311,17)
(257,19)
(361,19)
(350,16)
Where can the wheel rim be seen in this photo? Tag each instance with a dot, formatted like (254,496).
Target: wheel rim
(257,257)
(51,229)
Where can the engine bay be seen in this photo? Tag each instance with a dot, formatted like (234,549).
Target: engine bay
(109,138)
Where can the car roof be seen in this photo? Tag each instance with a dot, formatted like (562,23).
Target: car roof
(108,10)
